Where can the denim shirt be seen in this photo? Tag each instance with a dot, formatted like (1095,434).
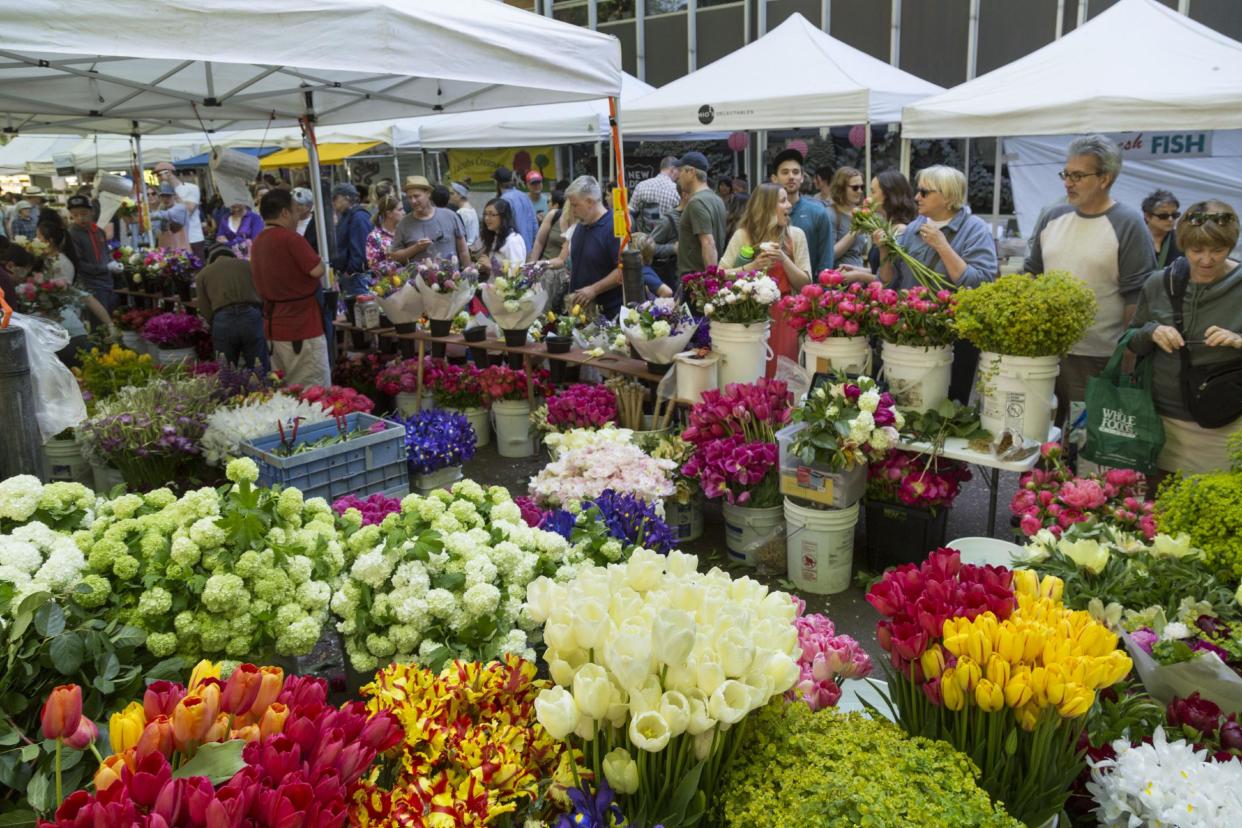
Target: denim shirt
(815,220)
(968,235)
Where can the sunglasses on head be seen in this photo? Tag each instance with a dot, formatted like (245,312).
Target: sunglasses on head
(924,192)
(1167,216)
(1199,219)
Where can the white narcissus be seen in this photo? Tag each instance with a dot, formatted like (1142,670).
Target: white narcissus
(673,636)
(730,702)
(649,731)
(556,711)
(593,691)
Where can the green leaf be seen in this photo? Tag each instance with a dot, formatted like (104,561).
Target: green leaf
(25,614)
(129,637)
(170,669)
(452,581)
(18,819)
(218,761)
(30,753)
(1011,743)
(41,792)
(67,652)
(8,736)
(49,620)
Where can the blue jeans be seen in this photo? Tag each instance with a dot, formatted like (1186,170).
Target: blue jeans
(103,292)
(237,335)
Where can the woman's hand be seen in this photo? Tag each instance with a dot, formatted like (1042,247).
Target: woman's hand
(1167,338)
(852,273)
(1218,337)
(933,237)
(877,238)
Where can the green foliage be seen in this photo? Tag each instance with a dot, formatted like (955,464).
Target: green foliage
(1027,315)
(1208,507)
(797,769)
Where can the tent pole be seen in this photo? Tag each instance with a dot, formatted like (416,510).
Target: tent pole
(436,157)
(141,184)
(905,157)
(868,149)
(966,167)
(996,182)
(396,170)
(599,161)
(569,158)
(1060,19)
(321,220)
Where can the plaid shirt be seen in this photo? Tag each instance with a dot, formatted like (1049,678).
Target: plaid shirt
(659,190)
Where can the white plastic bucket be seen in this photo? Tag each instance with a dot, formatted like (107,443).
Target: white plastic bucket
(1018,393)
(133,341)
(819,544)
(743,351)
(106,477)
(746,529)
(62,460)
(174,356)
(686,520)
(696,374)
(649,433)
(407,402)
(917,377)
(425,484)
(512,424)
(836,353)
(482,424)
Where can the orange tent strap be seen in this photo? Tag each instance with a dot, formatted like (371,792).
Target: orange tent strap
(619,155)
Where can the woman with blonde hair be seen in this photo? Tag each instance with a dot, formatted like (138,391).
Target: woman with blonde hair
(847,192)
(766,240)
(388,213)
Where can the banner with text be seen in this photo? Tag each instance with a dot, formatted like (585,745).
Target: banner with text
(1155,145)
(477,165)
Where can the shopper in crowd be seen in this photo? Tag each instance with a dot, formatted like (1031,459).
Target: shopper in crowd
(502,242)
(845,193)
(552,247)
(735,209)
(1210,334)
(701,228)
(228,301)
(286,274)
(38,203)
(164,202)
(655,197)
(64,264)
(1102,242)
(523,211)
(459,200)
(893,198)
(240,224)
(1160,212)
(594,254)
(440,197)
(767,240)
(428,231)
(652,282)
(95,266)
(665,237)
(24,223)
(724,189)
(304,210)
(823,189)
(952,241)
(808,215)
(188,198)
(353,225)
(535,192)
(388,215)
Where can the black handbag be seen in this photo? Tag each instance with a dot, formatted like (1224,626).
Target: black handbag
(1214,397)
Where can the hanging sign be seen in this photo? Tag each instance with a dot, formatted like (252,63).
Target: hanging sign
(1150,146)
(477,165)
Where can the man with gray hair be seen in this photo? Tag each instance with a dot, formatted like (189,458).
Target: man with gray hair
(594,251)
(1100,241)
(459,200)
(656,197)
(353,225)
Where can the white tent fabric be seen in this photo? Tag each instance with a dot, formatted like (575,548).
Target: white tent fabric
(236,64)
(1138,65)
(115,152)
(823,82)
(23,150)
(1034,162)
(525,126)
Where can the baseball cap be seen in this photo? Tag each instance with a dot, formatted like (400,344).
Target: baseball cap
(461,189)
(417,182)
(533,176)
(167,189)
(23,205)
(503,174)
(345,189)
(79,201)
(786,155)
(694,159)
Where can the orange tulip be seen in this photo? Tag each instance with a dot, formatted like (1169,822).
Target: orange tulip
(219,730)
(271,683)
(157,737)
(274,719)
(249,733)
(192,718)
(241,690)
(62,712)
(110,772)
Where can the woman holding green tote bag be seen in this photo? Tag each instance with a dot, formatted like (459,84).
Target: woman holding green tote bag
(1124,429)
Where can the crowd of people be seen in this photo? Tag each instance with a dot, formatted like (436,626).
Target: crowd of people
(261,289)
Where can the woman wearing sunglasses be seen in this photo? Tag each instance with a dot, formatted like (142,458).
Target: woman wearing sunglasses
(951,241)
(846,192)
(1209,334)
(1160,211)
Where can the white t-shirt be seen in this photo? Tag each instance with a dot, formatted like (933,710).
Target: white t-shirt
(189,195)
(513,251)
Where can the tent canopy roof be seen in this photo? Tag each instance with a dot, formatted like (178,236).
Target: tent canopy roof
(828,83)
(1099,78)
(328,154)
(235,64)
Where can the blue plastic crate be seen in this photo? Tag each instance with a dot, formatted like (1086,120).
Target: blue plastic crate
(359,466)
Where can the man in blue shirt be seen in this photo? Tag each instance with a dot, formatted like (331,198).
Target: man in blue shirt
(594,251)
(523,211)
(808,215)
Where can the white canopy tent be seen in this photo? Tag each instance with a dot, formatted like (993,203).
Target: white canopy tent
(115,152)
(1138,65)
(823,82)
(201,65)
(17,155)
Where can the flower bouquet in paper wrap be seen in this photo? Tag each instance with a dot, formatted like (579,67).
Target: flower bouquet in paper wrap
(445,290)
(398,299)
(658,329)
(514,296)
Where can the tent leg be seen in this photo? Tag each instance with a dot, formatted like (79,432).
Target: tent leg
(761,151)
(905,157)
(396,171)
(436,157)
(141,184)
(750,170)
(599,162)
(867,160)
(422,157)
(321,220)
(966,167)
(569,157)
(996,186)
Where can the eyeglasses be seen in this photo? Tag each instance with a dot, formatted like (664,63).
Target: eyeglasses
(1066,175)
(1199,219)
(1167,216)
(490,214)
(858,188)
(924,192)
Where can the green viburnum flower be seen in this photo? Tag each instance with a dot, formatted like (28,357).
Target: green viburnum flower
(162,645)
(125,567)
(96,595)
(155,602)
(224,593)
(1028,315)
(242,469)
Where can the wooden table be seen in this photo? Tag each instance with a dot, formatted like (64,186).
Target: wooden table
(143,299)
(341,326)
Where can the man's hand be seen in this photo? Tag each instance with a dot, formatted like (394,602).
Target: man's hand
(1167,338)
(418,247)
(1218,337)
(116,267)
(584,296)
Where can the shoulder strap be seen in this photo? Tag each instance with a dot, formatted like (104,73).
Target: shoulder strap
(1175,286)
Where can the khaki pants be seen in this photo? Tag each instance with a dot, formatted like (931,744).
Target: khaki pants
(306,366)
(1072,381)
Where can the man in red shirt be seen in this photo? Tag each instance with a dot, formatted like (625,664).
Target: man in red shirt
(286,274)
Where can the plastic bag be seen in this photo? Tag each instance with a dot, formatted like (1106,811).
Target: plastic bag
(795,377)
(58,400)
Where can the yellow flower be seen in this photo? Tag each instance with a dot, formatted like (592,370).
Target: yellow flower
(998,671)
(1026,582)
(932,662)
(1018,691)
(1076,701)
(989,697)
(202,671)
(1087,554)
(125,728)
(967,674)
(951,691)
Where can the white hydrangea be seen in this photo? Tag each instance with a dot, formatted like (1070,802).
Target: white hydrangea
(36,558)
(371,568)
(441,602)
(480,570)
(20,555)
(480,600)
(19,497)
